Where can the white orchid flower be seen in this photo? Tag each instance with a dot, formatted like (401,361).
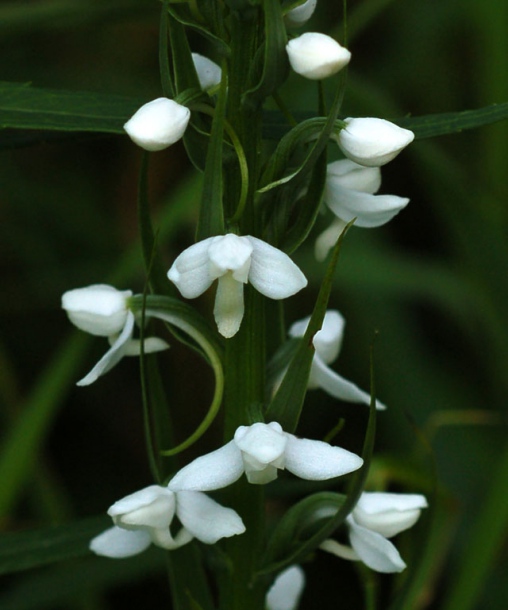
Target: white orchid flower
(299,15)
(158,124)
(327,343)
(350,193)
(145,517)
(286,590)
(316,56)
(209,73)
(260,450)
(234,261)
(377,517)
(371,141)
(104,311)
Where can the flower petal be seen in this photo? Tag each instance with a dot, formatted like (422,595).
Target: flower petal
(324,377)
(214,470)
(158,124)
(99,309)
(350,175)
(388,513)
(318,461)
(190,271)
(375,550)
(286,590)
(300,14)
(230,253)
(229,306)
(272,272)
(113,355)
(153,506)
(328,238)
(209,73)
(371,141)
(152,345)
(369,210)
(205,519)
(316,56)
(117,543)
(328,340)
(339,550)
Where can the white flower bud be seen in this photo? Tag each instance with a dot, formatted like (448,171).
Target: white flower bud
(158,124)
(297,16)
(316,56)
(373,142)
(98,309)
(209,73)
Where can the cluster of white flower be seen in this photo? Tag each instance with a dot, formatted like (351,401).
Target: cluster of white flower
(259,450)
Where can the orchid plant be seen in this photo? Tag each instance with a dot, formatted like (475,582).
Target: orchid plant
(259,205)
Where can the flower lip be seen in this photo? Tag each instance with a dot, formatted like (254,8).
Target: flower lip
(98,309)
(158,124)
(372,141)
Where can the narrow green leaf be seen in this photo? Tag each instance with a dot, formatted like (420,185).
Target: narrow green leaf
(183,15)
(24,441)
(306,208)
(164,68)
(23,550)
(275,62)
(26,107)
(286,405)
(154,268)
(183,66)
(211,214)
(433,125)
(62,585)
(300,516)
(186,319)
(300,520)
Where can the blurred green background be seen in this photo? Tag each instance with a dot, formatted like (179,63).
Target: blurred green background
(433,283)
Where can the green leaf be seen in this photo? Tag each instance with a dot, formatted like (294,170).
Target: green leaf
(433,125)
(154,268)
(275,62)
(299,522)
(186,319)
(21,446)
(164,68)
(286,405)
(211,214)
(26,107)
(24,550)
(183,15)
(299,518)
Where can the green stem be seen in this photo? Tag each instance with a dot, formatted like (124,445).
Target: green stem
(245,357)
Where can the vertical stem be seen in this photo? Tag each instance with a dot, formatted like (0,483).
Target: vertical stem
(245,357)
